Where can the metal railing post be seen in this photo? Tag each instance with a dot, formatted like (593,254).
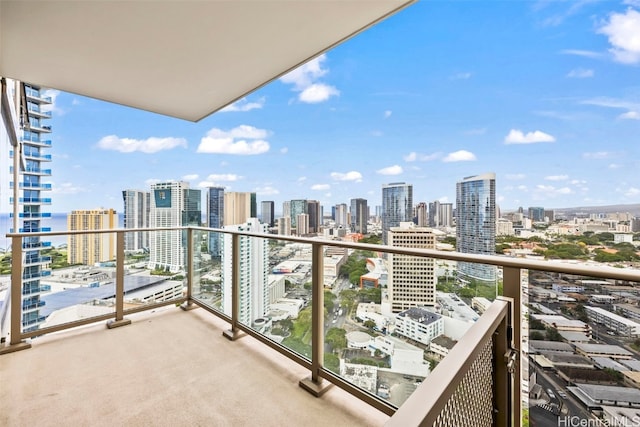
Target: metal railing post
(119,320)
(188,304)
(314,384)
(513,289)
(15,339)
(232,333)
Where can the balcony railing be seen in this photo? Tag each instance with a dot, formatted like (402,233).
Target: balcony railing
(478,384)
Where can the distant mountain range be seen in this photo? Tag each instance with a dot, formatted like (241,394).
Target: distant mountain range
(633,209)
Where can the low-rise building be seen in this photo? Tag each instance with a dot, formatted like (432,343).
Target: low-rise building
(603,350)
(617,324)
(441,345)
(561,323)
(419,325)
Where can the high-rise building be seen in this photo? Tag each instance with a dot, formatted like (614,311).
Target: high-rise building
(238,207)
(89,249)
(267,213)
(284,226)
(397,206)
(302,221)
(341,215)
(412,280)
(422,217)
(359,216)
(314,210)
(286,209)
(297,207)
(137,205)
(29,212)
(173,204)
(434,214)
(536,213)
(254,271)
(476,224)
(446,215)
(215,217)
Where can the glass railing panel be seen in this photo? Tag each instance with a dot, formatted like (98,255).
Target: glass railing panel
(62,288)
(281,306)
(207,285)
(154,273)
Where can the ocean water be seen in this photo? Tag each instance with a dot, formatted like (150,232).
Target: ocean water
(57,222)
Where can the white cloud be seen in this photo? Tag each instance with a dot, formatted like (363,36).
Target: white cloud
(235,141)
(67,188)
(149,145)
(549,191)
(376,133)
(413,156)
(460,156)
(461,76)
(243,105)
(387,114)
(266,191)
(580,73)
(53,94)
(320,187)
(149,182)
(556,177)
(390,170)
(631,115)
(284,150)
(317,92)
(584,53)
(614,166)
(305,81)
(522,188)
(622,29)
(190,177)
(306,74)
(597,155)
(632,192)
(443,199)
(516,136)
(224,177)
(349,176)
(515,176)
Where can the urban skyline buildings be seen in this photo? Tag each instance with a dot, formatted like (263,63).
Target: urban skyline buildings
(238,206)
(397,206)
(359,215)
(173,204)
(90,249)
(267,213)
(476,224)
(137,206)
(215,217)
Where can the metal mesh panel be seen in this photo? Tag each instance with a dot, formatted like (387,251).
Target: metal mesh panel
(472,402)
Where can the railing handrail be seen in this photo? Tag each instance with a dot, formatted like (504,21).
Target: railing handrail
(601,271)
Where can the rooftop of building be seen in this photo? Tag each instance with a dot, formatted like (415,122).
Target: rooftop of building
(420,315)
(540,345)
(444,341)
(603,349)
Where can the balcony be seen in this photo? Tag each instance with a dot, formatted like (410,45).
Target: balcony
(34,185)
(35,96)
(33,200)
(34,171)
(31,155)
(484,360)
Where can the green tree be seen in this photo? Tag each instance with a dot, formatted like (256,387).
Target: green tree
(336,337)
(369,324)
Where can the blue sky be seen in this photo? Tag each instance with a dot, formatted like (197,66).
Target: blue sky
(546,94)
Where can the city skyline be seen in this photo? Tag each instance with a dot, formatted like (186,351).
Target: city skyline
(553,110)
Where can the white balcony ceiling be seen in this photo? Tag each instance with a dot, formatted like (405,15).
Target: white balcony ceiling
(185,59)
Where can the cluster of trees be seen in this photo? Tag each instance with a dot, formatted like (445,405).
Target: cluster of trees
(355,266)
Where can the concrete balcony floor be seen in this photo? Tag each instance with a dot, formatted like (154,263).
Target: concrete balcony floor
(168,368)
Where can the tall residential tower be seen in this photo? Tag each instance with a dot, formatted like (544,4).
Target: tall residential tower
(397,206)
(137,205)
(476,224)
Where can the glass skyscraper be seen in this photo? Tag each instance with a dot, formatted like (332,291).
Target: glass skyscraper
(397,206)
(476,224)
(215,217)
